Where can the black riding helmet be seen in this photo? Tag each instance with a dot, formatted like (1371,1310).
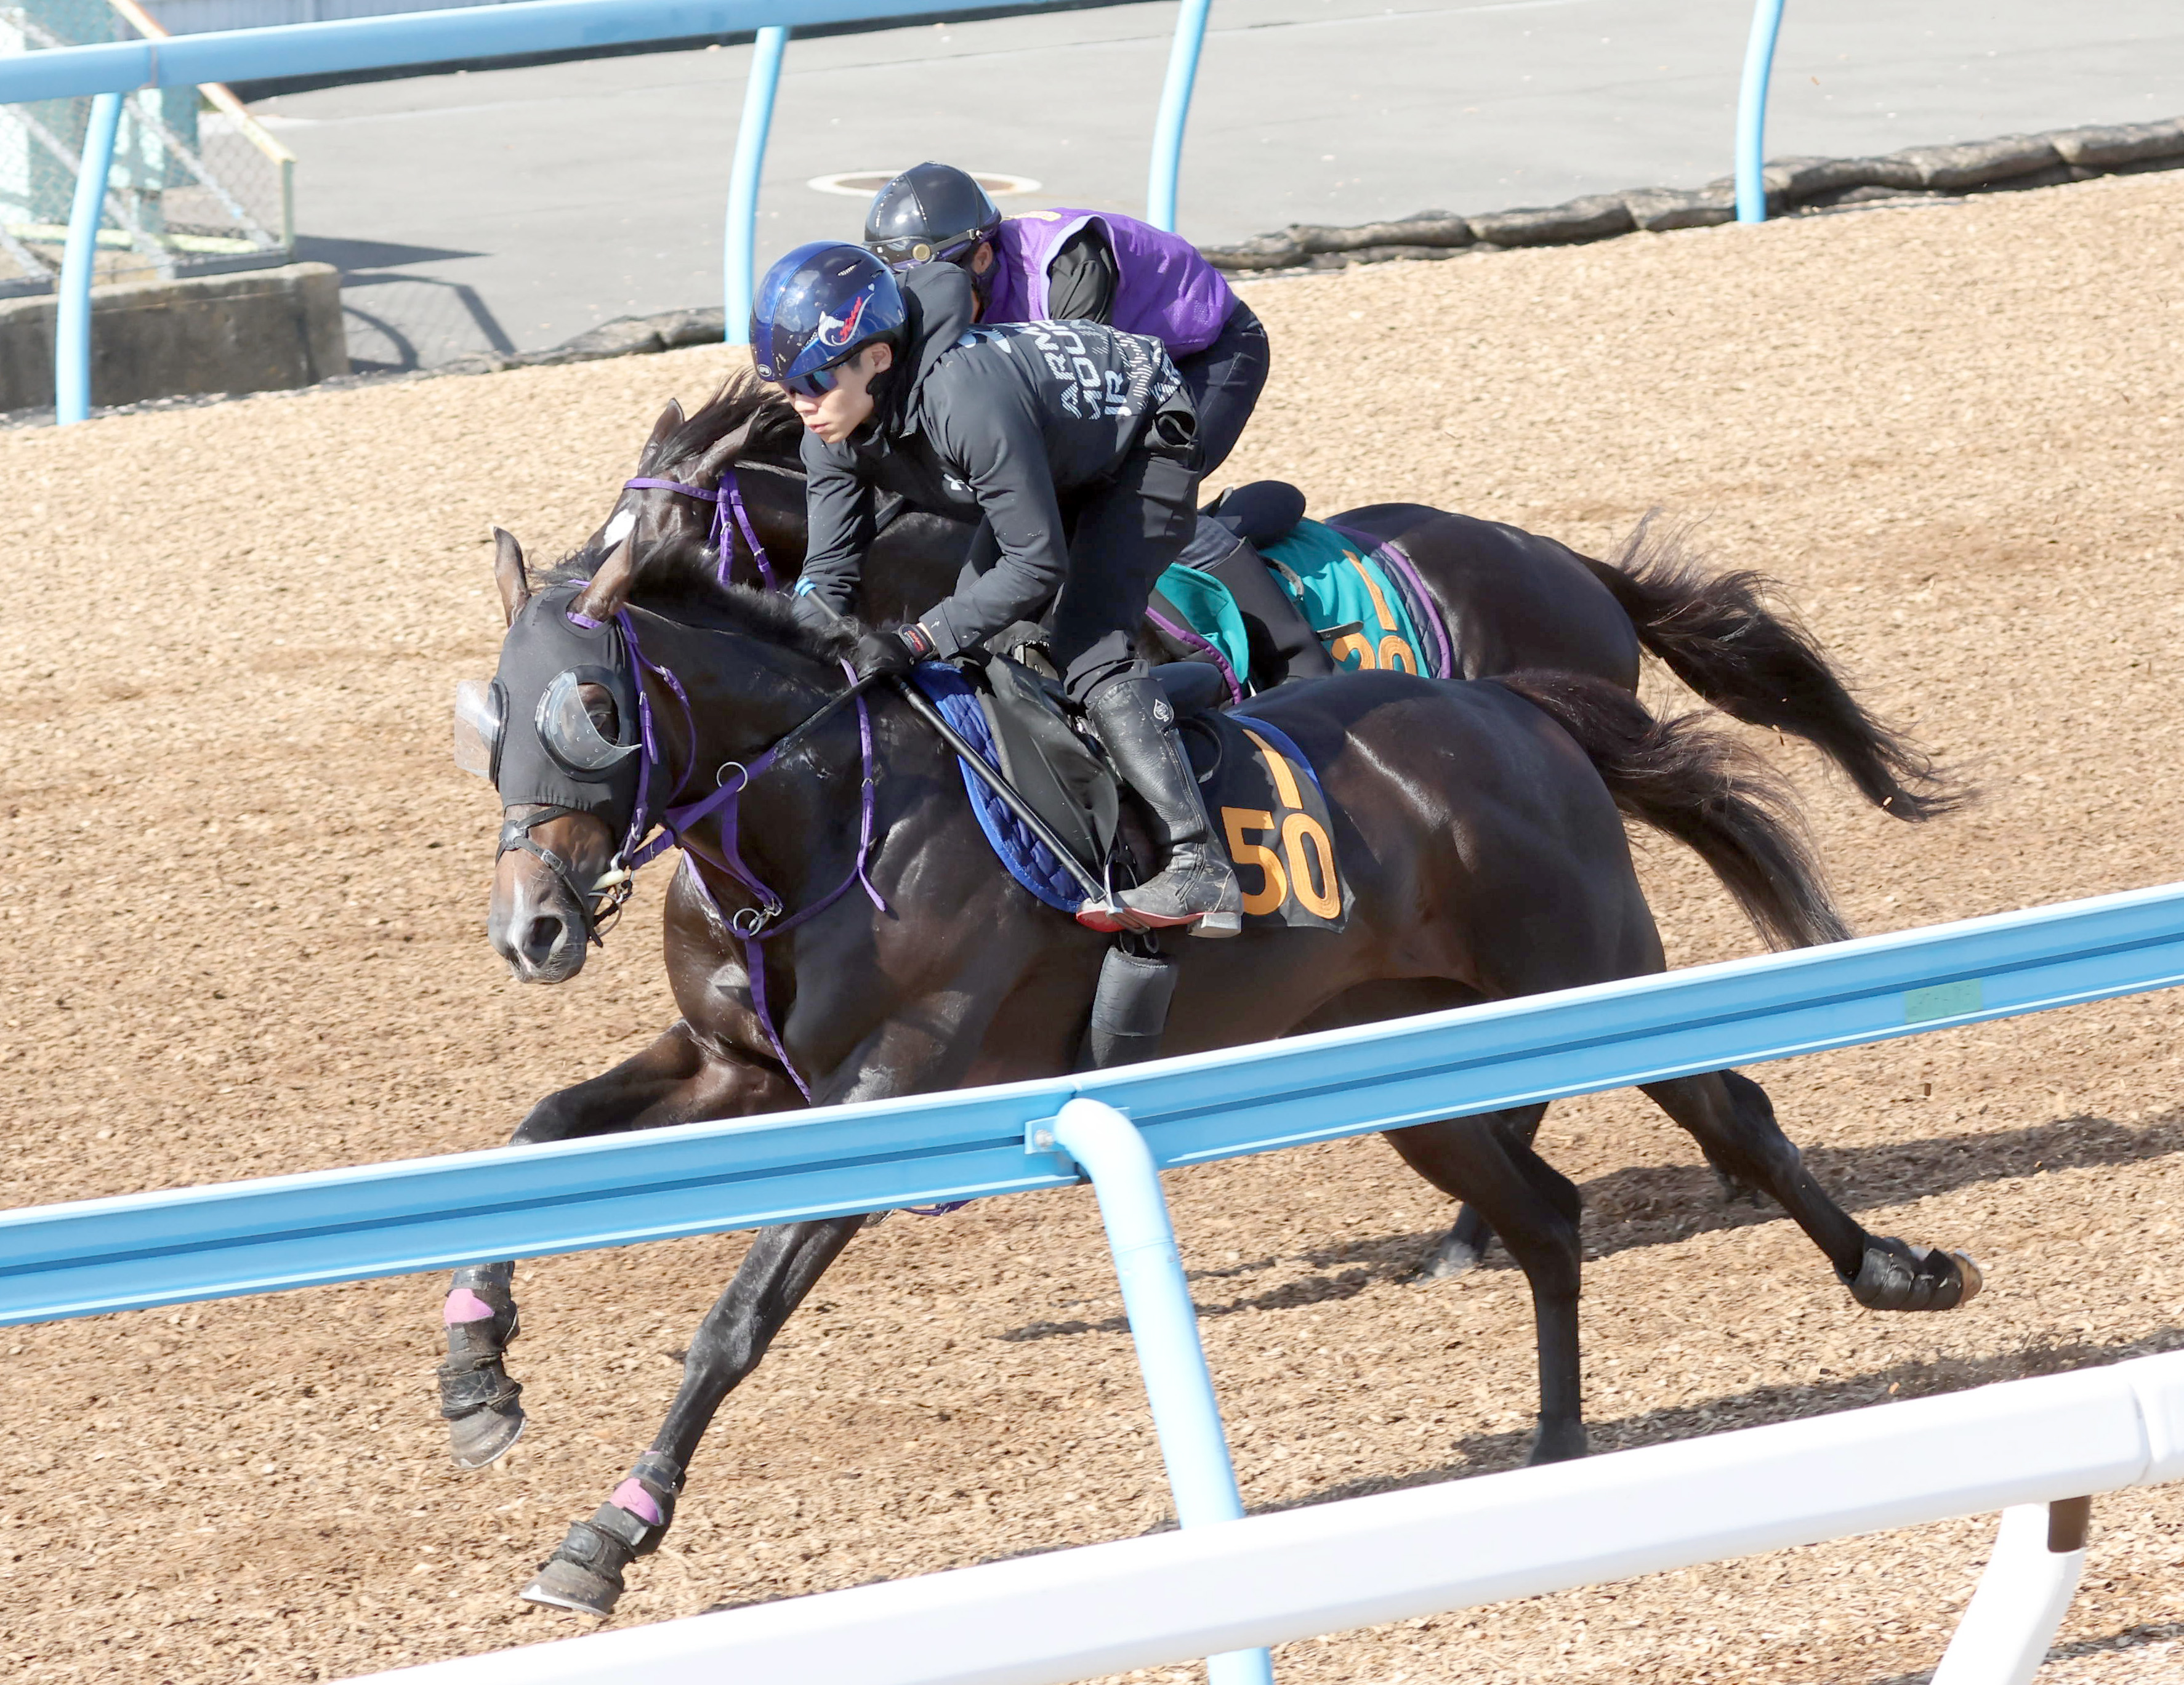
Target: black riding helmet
(930,211)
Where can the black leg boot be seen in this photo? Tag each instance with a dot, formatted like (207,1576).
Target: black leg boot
(1196,887)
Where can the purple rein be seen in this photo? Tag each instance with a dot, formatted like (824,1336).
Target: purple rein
(727,498)
(762,920)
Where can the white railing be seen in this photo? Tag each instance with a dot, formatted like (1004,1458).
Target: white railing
(2028,1448)
(1270,1579)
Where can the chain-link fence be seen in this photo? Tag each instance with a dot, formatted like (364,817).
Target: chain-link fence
(196,186)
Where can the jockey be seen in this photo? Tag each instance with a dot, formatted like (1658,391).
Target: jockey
(1073,265)
(1085,266)
(1073,440)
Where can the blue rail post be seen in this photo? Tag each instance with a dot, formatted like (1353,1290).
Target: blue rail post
(1174,112)
(1164,1328)
(79,259)
(1751,111)
(739,248)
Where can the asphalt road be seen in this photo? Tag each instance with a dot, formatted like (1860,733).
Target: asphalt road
(512,209)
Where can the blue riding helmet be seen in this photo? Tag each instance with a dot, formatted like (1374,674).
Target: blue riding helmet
(819,306)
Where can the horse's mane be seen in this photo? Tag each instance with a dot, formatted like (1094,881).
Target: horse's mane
(682,585)
(742,397)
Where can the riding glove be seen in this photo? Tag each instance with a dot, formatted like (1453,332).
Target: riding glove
(891,653)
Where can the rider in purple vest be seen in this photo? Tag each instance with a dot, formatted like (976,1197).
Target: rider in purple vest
(1079,266)
(1089,266)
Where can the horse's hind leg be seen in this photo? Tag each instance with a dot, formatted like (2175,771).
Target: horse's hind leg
(585,1573)
(1732,1120)
(1535,1209)
(673,1081)
(1463,1247)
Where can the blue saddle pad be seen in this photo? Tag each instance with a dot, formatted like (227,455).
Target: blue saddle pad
(1030,862)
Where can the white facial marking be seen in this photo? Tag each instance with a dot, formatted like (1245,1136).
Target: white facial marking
(619,528)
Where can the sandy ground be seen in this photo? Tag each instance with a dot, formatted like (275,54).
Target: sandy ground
(243,936)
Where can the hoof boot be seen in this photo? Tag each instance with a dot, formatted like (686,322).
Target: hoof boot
(585,1573)
(1895,1276)
(483,1437)
(570,1585)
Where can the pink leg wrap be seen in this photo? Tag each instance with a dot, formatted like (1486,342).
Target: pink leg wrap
(464,1306)
(634,1497)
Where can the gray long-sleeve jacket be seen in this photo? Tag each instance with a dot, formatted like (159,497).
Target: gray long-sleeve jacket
(1006,421)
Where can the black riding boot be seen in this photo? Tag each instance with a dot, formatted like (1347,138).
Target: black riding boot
(1196,887)
(1285,648)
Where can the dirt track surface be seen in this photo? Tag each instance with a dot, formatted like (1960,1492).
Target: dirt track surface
(244,936)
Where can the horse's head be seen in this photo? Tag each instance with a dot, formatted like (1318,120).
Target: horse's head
(559,731)
(672,508)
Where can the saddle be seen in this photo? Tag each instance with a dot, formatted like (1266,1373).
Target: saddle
(1260,789)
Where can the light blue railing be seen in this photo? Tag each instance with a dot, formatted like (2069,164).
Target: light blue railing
(420,38)
(148,1249)
(1751,110)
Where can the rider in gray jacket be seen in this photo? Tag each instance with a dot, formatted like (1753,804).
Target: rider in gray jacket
(1073,440)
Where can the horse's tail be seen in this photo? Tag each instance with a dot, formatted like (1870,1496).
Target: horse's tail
(1706,789)
(1728,636)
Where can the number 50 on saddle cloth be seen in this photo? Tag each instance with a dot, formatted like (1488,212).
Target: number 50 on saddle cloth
(1268,808)
(1262,794)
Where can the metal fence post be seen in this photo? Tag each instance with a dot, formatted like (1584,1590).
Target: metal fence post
(739,248)
(1164,1328)
(1751,111)
(1174,112)
(79,259)
(2022,1596)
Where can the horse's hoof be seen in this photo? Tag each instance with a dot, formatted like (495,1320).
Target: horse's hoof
(1451,1258)
(1895,1276)
(1556,1444)
(484,1437)
(584,1572)
(567,1585)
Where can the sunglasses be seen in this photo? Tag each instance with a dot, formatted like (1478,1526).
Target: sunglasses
(816,384)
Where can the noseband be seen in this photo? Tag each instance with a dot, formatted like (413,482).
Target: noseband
(726,498)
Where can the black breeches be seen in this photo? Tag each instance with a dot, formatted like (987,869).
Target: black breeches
(1122,536)
(1225,380)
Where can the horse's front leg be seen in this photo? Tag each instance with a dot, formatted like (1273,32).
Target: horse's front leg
(676,1080)
(924,1048)
(585,1573)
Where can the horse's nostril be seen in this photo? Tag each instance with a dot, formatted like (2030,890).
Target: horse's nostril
(541,937)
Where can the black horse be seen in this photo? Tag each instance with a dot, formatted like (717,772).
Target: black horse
(1512,600)
(1479,824)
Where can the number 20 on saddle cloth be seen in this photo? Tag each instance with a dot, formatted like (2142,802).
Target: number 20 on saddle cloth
(1363,598)
(1264,797)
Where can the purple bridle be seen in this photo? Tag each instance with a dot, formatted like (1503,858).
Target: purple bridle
(761,921)
(727,498)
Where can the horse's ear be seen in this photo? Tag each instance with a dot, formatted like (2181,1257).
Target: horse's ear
(670,419)
(609,587)
(508,572)
(723,449)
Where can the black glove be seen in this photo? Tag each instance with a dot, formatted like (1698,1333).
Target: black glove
(890,654)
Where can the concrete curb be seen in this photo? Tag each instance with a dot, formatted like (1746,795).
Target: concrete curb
(1794,185)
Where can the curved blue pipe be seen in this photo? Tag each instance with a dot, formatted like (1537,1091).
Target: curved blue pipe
(1175,113)
(739,246)
(79,258)
(1751,111)
(1164,1328)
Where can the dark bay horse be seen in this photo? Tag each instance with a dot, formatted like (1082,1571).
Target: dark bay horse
(1513,600)
(1480,825)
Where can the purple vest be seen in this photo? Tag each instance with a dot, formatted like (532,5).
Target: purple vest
(1163,288)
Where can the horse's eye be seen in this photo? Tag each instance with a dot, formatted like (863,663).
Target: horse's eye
(581,726)
(599,704)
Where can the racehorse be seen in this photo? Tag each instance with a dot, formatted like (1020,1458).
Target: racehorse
(727,479)
(838,925)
